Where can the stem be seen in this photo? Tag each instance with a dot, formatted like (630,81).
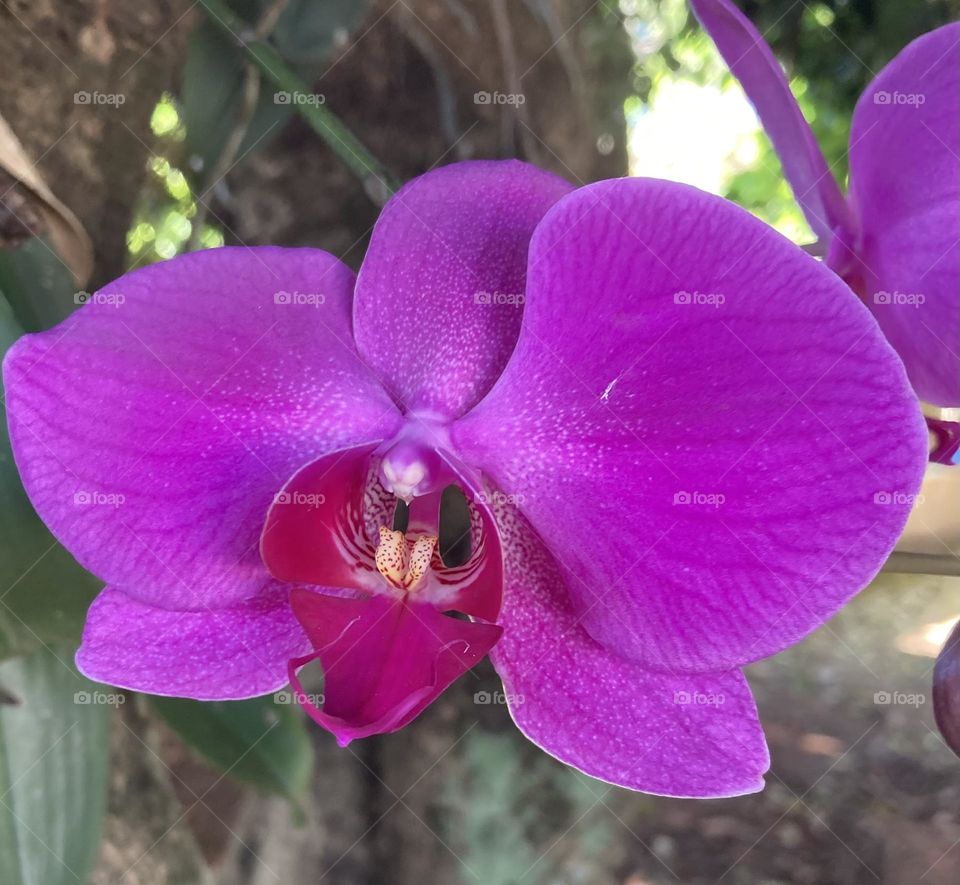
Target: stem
(228,155)
(923,564)
(377,181)
(248,106)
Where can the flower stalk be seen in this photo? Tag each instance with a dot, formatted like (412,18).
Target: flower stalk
(923,564)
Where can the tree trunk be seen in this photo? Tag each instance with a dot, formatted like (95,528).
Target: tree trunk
(81,81)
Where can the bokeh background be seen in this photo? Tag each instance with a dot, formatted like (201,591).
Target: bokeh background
(132,132)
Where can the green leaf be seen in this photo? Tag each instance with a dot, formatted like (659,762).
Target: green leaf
(261,741)
(54,745)
(212,98)
(37,285)
(213,73)
(44,594)
(307,29)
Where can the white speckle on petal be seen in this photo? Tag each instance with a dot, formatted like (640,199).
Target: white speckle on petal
(605,396)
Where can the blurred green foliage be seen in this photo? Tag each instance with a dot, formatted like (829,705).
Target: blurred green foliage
(54,747)
(44,594)
(830,49)
(518,798)
(224,113)
(261,741)
(214,83)
(164,221)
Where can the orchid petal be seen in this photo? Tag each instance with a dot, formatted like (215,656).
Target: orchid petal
(905,187)
(384,659)
(666,733)
(216,654)
(755,66)
(702,422)
(440,293)
(152,427)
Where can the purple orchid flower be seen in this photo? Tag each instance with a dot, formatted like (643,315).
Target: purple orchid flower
(652,403)
(894,238)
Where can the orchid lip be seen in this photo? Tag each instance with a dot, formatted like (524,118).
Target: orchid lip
(373,593)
